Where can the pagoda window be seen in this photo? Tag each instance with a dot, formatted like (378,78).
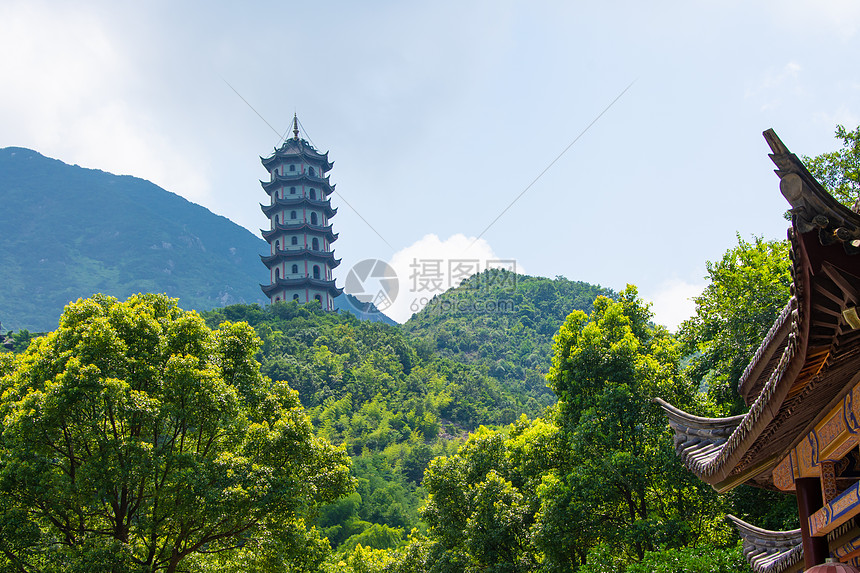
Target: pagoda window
(296,297)
(294,241)
(316,244)
(277,245)
(292,214)
(277,299)
(292,190)
(313,193)
(292,167)
(318,298)
(313,218)
(277,273)
(276,220)
(311,171)
(295,269)
(316,272)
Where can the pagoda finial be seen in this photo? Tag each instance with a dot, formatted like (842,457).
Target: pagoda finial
(295,126)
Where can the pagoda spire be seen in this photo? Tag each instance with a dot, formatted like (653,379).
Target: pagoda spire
(295,126)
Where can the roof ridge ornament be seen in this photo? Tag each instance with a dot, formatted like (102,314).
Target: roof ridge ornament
(295,126)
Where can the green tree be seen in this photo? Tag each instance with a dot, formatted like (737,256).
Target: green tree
(606,370)
(598,472)
(839,171)
(133,438)
(478,519)
(748,288)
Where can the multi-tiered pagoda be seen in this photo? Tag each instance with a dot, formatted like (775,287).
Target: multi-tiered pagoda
(299,236)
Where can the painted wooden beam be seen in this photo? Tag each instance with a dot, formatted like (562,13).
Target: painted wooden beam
(831,440)
(835,513)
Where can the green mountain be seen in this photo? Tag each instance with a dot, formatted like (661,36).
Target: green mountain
(69,232)
(505,323)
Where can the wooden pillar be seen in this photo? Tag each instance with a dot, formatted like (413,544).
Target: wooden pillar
(809,500)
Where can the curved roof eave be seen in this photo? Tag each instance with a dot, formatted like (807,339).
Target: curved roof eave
(769,551)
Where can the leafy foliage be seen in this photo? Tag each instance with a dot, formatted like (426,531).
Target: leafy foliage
(748,289)
(597,472)
(391,403)
(705,558)
(133,437)
(839,171)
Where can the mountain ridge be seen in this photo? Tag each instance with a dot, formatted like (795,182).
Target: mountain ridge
(70,231)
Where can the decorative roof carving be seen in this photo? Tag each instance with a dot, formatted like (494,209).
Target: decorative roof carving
(770,551)
(698,440)
(813,208)
(767,355)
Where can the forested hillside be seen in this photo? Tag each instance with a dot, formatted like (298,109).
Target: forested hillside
(505,323)
(392,403)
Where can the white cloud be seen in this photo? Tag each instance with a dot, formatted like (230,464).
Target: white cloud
(672,303)
(77,97)
(831,18)
(773,83)
(431,265)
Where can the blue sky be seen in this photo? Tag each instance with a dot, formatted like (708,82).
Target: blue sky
(439,115)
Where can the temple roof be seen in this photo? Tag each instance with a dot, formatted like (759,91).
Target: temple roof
(300,226)
(808,357)
(305,282)
(289,202)
(289,255)
(297,148)
(770,551)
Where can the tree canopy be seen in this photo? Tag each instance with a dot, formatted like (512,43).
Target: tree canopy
(596,474)
(839,171)
(134,438)
(748,288)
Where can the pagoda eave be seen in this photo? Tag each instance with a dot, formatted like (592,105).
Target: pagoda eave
(321,256)
(322,232)
(324,206)
(306,282)
(281,181)
(297,149)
